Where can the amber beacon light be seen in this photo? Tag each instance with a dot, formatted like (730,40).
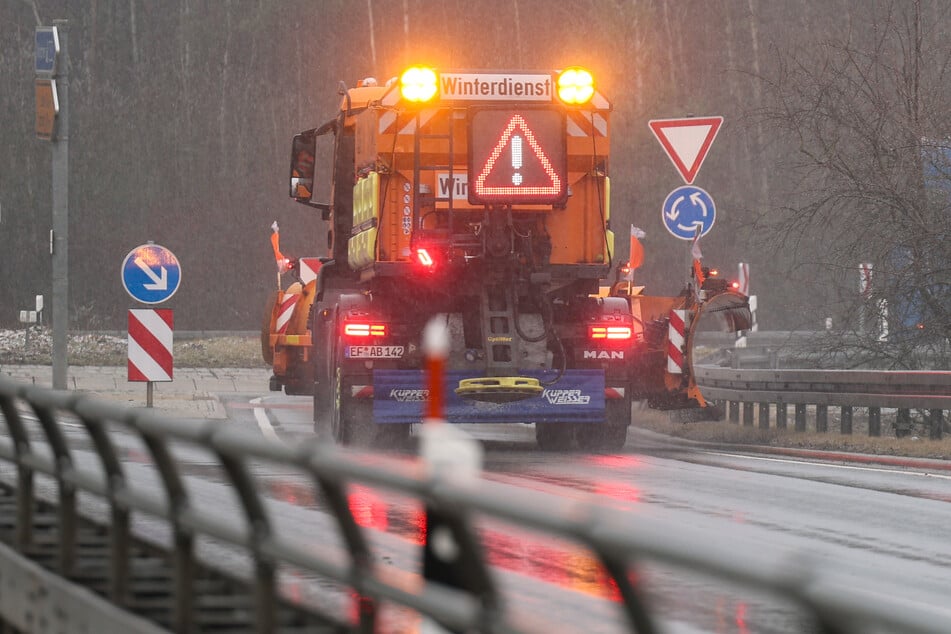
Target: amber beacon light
(575,86)
(418,84)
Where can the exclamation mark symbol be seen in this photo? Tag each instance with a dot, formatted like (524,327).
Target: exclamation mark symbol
(516,159)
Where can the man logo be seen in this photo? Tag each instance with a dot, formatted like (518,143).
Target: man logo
(603,354)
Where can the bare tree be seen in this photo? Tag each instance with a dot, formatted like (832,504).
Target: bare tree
(867,115)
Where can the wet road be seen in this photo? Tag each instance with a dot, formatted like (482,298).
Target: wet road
(881,528)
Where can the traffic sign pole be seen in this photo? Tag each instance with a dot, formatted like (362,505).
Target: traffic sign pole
(59,237)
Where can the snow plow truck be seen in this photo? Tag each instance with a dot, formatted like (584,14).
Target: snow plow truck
(482,198)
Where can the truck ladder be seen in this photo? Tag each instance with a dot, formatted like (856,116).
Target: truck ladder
(448,235)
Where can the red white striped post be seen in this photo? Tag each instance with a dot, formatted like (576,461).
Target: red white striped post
(676,337)
(150,347)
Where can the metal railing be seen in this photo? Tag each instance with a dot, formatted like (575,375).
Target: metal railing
(65,541)
(772,391)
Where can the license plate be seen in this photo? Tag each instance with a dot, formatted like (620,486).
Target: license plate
(374,352)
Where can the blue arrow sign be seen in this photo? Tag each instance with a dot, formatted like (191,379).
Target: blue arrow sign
(47,46)
(687,208)
(151,273)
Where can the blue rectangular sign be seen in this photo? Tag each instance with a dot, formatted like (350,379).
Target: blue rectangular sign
(47,47)
(577,397)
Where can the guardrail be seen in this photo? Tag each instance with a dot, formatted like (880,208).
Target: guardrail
(771,392)
(789,349)
(173,589)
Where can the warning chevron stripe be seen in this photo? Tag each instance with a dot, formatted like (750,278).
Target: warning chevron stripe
(150,344)
(586,123)
(424,117)
(308,269)
(600,102)
(285,312)
(675,342)
(361,391)
(387,122)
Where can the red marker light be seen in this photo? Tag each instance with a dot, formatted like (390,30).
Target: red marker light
(735,285)
(422,255)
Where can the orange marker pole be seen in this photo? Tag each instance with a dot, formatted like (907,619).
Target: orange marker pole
(436,347)
(451,553)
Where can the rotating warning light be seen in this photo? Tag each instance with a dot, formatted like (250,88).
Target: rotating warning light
(575,86)
(418,84)
(517,157)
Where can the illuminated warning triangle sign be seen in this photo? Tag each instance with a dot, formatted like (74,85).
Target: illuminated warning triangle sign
(686,141)
(518,168)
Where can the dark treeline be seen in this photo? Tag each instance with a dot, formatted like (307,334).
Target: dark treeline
(181,114)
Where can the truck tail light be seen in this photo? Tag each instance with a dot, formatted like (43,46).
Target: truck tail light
(425,258)
(612,333)
(362,329)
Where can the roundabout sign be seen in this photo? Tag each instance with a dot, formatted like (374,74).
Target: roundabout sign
(687,209)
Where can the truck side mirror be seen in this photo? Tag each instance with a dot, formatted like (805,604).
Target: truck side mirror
(303,152)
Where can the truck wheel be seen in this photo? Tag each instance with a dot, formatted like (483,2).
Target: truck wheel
(322,411)
(351,419)
(606,437)
(612,435)
(554,436)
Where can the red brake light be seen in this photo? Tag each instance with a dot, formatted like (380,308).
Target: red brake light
(609,332)
(735,285)
(424,258)
(352,329)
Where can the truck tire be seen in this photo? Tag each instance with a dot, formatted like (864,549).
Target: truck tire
(554,436)
(351,419)
(611,435)
(606,437)
(266,350)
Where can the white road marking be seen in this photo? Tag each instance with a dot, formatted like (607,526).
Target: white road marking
(923,474)
(260,415)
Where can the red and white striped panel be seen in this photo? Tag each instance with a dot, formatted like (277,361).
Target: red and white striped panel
(743,277)
(150,344)
(361,391)
(613,393)
(388,117)
(587,123)
(388,121)
(676,336)
(288,302)
(308,269)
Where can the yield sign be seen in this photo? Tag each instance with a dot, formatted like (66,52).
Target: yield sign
(686,141)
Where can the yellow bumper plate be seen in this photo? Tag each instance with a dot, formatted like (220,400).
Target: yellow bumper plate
(499,389)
